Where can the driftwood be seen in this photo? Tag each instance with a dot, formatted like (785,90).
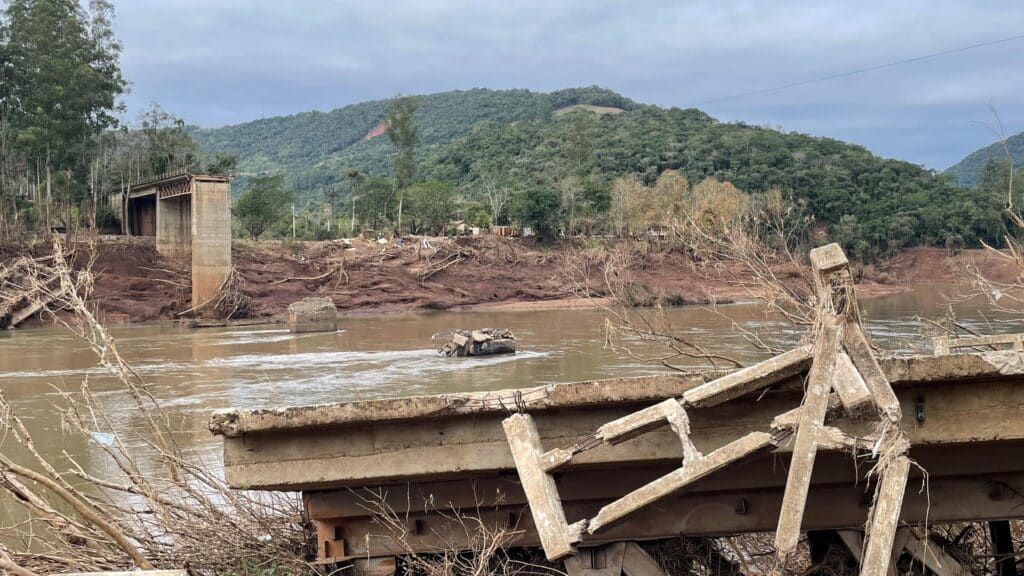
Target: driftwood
(229,302)
(27,287)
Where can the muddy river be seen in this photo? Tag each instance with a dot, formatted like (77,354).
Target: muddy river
(196,371)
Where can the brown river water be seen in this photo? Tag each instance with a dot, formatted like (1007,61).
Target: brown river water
(196,371)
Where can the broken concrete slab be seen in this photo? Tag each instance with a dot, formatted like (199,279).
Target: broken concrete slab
(884,517)
(849,385)
(313,315)
(747,380)
(483,342)
(805,445)
(828,258)
(859,349)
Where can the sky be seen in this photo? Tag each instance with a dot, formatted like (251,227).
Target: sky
(218,62)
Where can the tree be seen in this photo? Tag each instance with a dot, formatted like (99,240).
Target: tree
(404,137)
(262,204)
(221,164)
(376,202)
(578,145)
(538,208)
(64,83)
(432,205)
(169,147)
(331,195)
(498,187)
(355,179)
(628,202)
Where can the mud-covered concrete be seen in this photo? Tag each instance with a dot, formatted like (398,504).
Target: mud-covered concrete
(962,398)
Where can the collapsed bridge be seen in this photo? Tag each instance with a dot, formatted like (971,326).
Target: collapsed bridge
(823,437)
(190,217)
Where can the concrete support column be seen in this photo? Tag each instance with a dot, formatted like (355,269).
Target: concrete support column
(174,227)
(211,236)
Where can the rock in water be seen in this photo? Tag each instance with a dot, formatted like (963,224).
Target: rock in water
(313,315)
(482,342)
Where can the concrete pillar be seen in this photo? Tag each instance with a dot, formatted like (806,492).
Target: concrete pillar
(211,236)
(174,227)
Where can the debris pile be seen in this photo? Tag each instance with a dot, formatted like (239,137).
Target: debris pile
(313,315)
(483,342)
(27,286)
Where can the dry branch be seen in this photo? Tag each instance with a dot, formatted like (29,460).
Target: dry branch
(177,513)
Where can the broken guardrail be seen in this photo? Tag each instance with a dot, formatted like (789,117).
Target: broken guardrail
(844,375)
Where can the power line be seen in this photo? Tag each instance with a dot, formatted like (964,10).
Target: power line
(859,71)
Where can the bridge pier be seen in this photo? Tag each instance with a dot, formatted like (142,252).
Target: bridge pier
(190,216)
(211,236)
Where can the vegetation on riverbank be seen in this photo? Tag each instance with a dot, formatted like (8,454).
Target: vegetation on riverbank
(135,284)
(566,163)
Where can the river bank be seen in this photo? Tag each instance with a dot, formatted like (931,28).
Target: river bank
(135,284)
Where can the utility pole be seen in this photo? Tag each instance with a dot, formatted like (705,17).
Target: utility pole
(352,225)
(353,177)
(293,220)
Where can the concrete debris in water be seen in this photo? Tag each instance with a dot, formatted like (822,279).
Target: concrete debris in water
(313,315)
(483,342)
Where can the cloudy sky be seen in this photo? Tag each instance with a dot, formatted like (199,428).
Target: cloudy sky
(217,62)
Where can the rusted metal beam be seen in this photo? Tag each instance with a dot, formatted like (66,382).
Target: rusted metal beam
(765,473)
(1005,557)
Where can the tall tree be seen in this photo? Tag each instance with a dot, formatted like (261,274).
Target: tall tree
(355,178)
(64,83)
(578,145)
(432,204)
(404,137)
(169,147)
(7,158)
(262,204)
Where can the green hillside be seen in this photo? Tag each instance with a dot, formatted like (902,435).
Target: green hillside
(312,148)
(544,146)
(866,201)
(968,170)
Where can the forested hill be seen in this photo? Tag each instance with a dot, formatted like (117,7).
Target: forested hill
(968,170)
(477,139)
(312,148)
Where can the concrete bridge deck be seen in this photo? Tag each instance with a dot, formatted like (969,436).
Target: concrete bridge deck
(422,457)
